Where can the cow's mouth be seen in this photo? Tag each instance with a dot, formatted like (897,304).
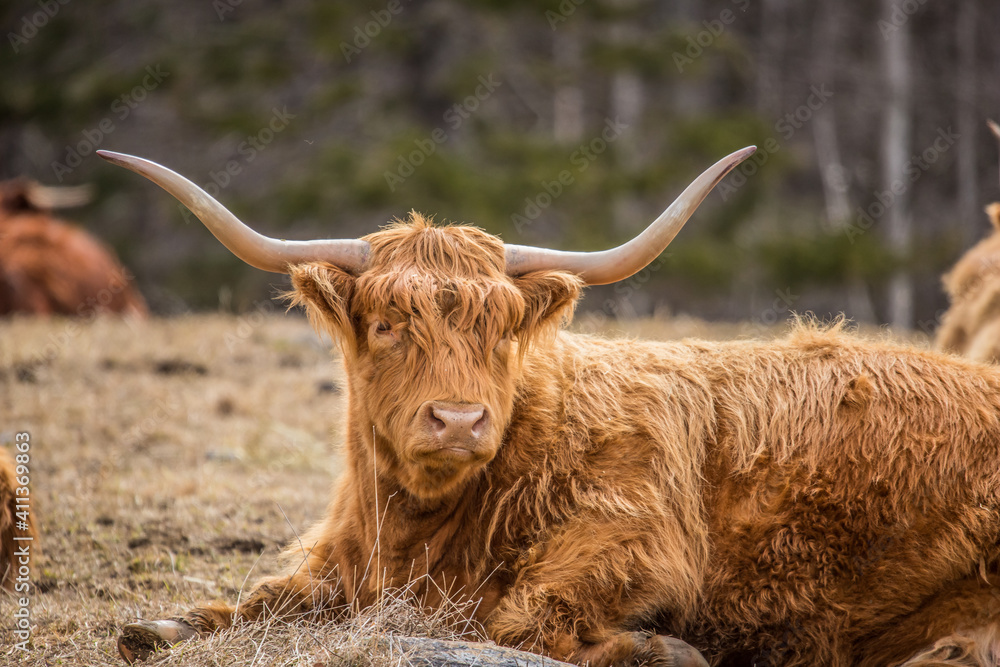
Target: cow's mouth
(460,453)
(451,453)
(438,470)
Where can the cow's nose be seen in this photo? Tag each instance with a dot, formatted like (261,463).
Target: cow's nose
(456,423)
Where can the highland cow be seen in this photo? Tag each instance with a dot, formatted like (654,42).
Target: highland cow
(816,500)
(971,325)
(48,267)
(18,534)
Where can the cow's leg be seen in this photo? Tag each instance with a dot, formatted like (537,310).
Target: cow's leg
(581,599)
(571,642)
(628,649)
(291,596)
(959,626)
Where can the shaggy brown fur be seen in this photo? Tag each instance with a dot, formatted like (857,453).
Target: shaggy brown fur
(8,523)
(818,500)
(48,267)
(971,326)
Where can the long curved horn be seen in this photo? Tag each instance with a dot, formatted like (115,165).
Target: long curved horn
(608,266)
(255,249)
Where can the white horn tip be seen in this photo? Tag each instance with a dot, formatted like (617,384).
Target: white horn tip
(994,128)
(120,159)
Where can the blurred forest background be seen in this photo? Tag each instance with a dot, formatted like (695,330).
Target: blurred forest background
(568,123)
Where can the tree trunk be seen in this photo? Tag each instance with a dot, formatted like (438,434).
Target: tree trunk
(628,100)
(833,176)
(896,131)
(969,126)
(567,100)
(773,35)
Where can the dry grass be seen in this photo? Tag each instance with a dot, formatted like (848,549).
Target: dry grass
(359,640)
(165,457)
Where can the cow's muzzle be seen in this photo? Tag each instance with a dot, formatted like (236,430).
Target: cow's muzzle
(454,429)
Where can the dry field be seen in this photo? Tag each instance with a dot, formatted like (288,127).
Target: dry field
(170,461)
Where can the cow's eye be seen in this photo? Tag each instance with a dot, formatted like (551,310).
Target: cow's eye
(383,334)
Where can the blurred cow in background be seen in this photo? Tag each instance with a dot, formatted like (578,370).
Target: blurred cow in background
(13,524)
(971,326)
(49,267)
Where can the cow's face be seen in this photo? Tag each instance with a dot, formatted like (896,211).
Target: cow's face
(432,334)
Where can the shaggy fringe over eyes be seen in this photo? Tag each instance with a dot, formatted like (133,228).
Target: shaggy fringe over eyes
(477,288)
(427,276)
(488,311)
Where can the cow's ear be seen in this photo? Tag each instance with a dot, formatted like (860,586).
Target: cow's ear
(325,291)
(993,211)
(549,300)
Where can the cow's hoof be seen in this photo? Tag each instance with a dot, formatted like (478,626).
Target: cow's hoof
(140,640)
(672,652)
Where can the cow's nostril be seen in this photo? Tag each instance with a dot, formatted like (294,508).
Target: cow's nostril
(438,425)
(480,425)
(456,422)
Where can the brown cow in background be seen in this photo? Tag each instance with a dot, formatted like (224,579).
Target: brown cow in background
(49,267)
(971,326)
(820,500)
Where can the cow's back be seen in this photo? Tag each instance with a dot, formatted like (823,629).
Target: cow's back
(971,325)
(50,267)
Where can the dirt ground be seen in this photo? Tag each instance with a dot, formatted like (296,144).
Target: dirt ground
(170,461)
